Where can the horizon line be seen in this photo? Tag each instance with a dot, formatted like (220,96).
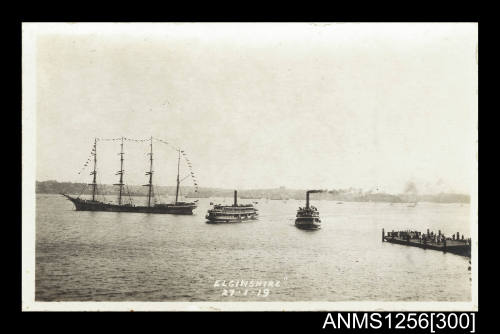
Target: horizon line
(279,187)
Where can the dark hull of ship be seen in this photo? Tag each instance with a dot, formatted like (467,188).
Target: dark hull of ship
(87,205)
(227,220)
(307,223)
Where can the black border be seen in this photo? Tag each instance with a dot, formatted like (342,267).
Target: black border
(226,321)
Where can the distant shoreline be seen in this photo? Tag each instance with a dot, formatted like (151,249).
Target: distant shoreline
(282,193)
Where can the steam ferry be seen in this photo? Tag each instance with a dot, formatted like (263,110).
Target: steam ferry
(231,213)
(308,217)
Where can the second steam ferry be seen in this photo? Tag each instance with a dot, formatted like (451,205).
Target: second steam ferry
(308,217)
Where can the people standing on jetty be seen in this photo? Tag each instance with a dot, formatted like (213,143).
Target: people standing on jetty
(430,240)
(428,237)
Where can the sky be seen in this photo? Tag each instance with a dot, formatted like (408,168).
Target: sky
(371,106)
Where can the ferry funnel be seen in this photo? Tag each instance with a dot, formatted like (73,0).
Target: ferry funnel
(311,192)
(235,198)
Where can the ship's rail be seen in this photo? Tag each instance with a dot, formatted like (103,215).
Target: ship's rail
(229,216)
(307,212)
(307,216)
(228,212)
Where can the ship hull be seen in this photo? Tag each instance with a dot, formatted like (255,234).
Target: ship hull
(178,209)
(307,224)
(228,220)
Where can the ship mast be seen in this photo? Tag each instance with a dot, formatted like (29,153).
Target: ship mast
(94,172)
(150,173)
(120,172)
(178,182)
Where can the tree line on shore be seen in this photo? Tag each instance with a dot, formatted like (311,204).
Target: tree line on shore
(282,193)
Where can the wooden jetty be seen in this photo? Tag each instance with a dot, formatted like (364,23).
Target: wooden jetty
(428,240)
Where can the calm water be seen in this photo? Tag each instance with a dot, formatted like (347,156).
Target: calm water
(107,256)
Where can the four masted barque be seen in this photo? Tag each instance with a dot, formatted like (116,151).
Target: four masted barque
(308,216)
(231,213)
(177,207)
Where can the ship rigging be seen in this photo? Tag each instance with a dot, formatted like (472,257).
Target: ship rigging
(177,207)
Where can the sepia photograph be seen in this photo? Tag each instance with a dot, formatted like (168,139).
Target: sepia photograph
(249,166)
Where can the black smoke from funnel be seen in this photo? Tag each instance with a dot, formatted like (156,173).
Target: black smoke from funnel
(411,191)
(410,188)
(311,192)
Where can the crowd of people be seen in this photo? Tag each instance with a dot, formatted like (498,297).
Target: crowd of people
(311,207)
(429,237)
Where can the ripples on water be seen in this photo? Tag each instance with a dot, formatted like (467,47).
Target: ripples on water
(108,256)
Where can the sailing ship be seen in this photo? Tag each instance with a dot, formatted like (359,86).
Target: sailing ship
(308,217)
(231,213)
(177,207)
